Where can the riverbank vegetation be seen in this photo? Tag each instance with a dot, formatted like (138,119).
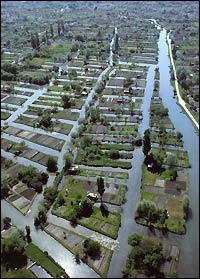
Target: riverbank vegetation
(150,257)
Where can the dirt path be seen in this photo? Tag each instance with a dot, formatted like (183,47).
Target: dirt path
(180,100)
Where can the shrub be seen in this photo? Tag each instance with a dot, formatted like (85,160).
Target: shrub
(52,165)
(4,190)
(44,177)
(186,204)
(91,247)
(114,154)
(13,250)
(134,239)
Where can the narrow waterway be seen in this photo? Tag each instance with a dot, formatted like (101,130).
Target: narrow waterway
(189,243)
(128,224)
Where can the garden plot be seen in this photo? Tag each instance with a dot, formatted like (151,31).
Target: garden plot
(113,103)
(116,82)
(14,100)
(94,156)
(8,167)
(113,129)
(177,158)
(131,73)
(95,219)
(123,118)
(21,197)
(57,114)
(159,114)
(48,141)
(5,115)
(76,103)
(109,174)
(56,126)
(74,243)
(169,253)
(167,138)
(167,194)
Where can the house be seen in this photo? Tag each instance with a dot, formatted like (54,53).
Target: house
(88,82)
(73,170)
(92,196)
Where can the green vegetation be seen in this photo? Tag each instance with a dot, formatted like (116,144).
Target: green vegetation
(13,251)
(86,172)
(52,164)
(32,178)
(116,147)
(19,273)
(5,115)
(176,206)
(72,205)
(146,257)
(42,259)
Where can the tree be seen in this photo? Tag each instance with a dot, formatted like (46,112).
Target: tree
(44,177)
(91,247)
(66,87)
(45,121)
(4,189)
(173,174)
(59,29)
(101,187)
(7,223)
(114,154)
(186,203)
(134,239)
(146,142)
(116,43)
(85,207)
(66,101)
(153,262)
(42,216)
(68,161)
(94,114)
(149,211)
(52,165)
(179,135)
(33,41)
(27,230)
(85,141)
(51,31)
(13,250)
(87,55)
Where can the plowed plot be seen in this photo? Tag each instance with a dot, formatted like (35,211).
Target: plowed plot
(116,82)
(21,202)
(89,185)
(14,169)
(28,194)
(14,197)
(29,153)
(14,100)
